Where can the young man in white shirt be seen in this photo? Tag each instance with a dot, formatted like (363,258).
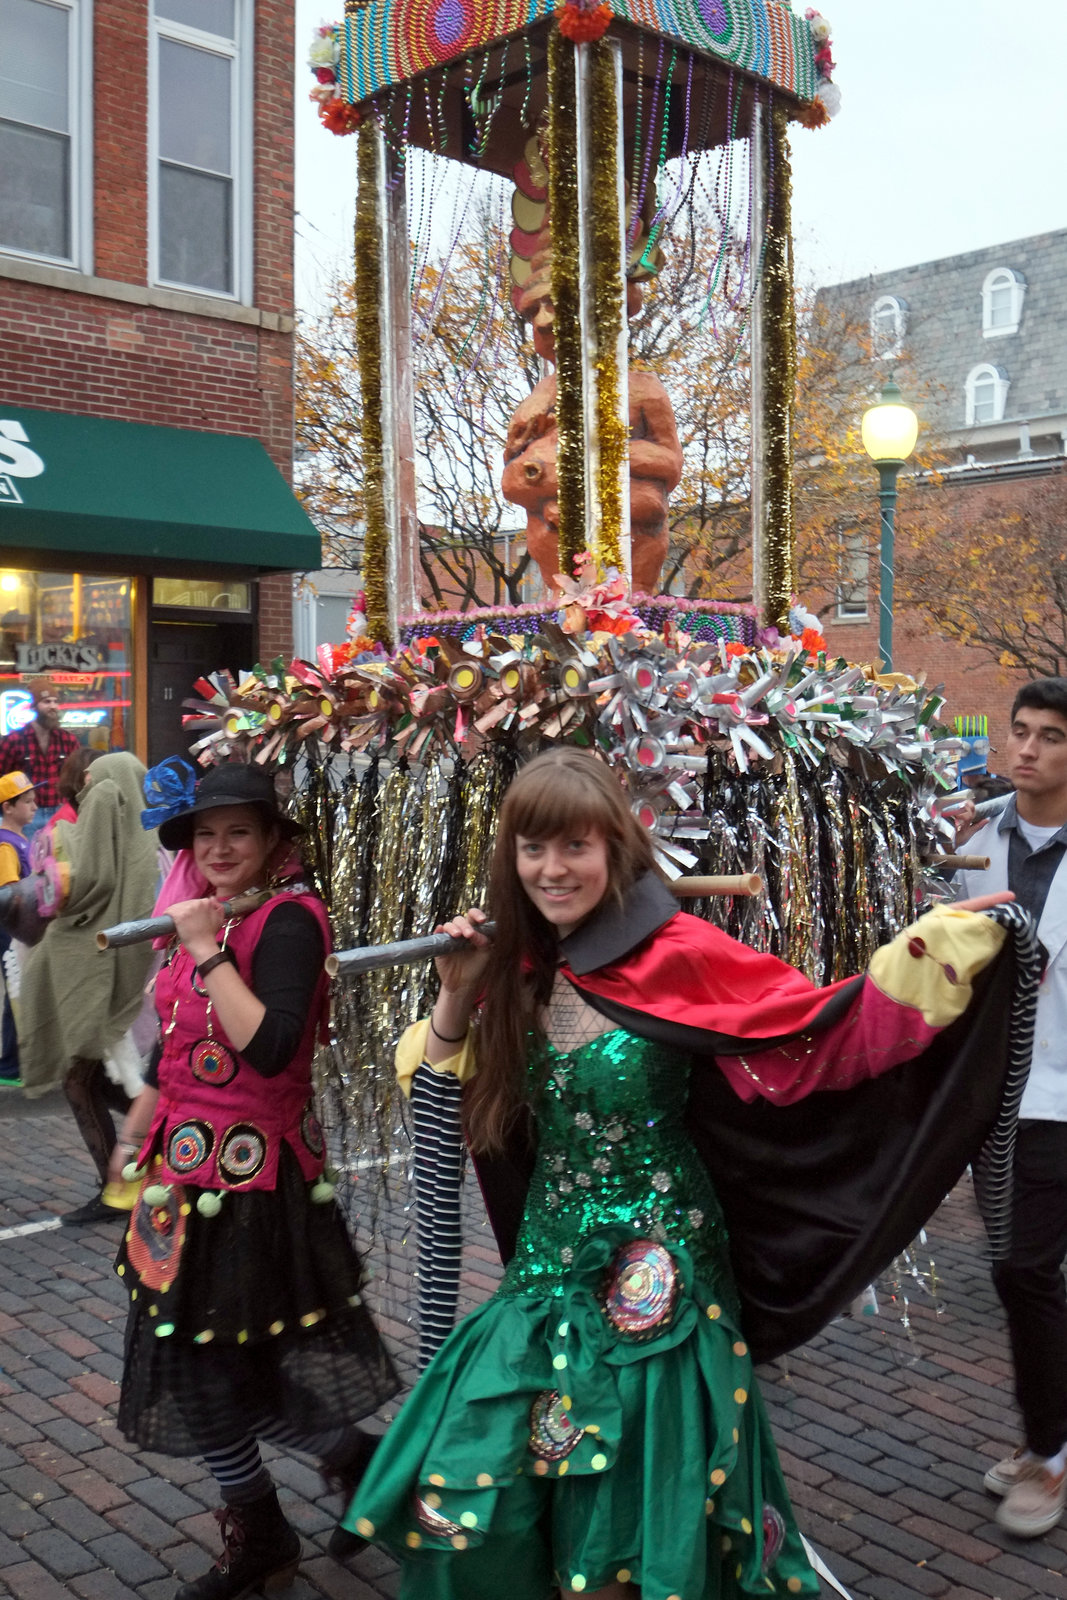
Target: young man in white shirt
(1027,844)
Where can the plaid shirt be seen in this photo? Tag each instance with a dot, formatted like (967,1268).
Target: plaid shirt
(20,752)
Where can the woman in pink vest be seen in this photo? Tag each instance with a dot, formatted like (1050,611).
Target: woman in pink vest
(246,1317)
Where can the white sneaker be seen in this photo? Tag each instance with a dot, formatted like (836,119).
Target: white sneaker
(1034,1505)
(1002,1478)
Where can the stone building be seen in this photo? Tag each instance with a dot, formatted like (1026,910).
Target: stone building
(982,338)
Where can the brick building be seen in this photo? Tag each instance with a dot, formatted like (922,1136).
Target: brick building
(147,526)
(984,337)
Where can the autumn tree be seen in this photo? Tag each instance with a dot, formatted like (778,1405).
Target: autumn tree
(474,363)
(329,448)
(472,366)
(835,490)
(996,578)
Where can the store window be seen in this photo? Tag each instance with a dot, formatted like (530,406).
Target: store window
(203,594)
(201,137)
(44,132)
(75,629)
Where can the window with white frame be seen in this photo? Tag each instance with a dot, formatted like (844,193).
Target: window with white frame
(45,109)
(987,395)
(200,142)
(1002,302)
(854,577)
(889,317)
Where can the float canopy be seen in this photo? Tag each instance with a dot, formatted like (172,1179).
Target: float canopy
(441,42)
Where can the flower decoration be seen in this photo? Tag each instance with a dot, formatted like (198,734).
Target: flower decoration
(582,22)
(324,57)
(826,102)
(339,117)
(601,606)
(830,96)
(813,114)
(169,788)
(325,51)
(356,621)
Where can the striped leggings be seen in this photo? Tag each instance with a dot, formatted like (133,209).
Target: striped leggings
(439,1155)
(239,1471)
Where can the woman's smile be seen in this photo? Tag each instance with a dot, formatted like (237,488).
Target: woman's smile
(565,877)
(231,846)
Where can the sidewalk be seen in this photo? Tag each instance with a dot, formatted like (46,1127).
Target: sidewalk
(885,1429)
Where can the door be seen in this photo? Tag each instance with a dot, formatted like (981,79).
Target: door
(178,654)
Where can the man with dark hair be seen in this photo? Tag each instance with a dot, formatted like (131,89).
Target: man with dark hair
(1026,844)
(39,749)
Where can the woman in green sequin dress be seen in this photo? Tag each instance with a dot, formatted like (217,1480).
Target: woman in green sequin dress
(594,1428)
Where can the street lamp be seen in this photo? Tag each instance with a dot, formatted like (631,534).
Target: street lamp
(889,430)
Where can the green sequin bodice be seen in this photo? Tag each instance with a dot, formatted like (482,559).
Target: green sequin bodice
(612,1148)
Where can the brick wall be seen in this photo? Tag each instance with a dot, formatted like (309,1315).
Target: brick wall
(120,139)
(275,616)
(65,350)
(82,353)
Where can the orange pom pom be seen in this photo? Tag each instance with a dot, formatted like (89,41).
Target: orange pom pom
(583,26)
(340,117)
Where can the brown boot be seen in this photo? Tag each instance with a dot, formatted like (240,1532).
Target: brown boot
(260,1551)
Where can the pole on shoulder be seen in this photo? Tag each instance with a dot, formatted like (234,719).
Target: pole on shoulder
(370,957)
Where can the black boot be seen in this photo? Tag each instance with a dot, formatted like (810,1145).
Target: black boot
(260,1550)
(342,1475)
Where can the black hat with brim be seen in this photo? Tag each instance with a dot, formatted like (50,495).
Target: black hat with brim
(231,784)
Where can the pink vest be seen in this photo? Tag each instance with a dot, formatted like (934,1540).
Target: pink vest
(220,1124)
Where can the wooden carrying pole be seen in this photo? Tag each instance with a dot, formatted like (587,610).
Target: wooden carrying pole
(368,958)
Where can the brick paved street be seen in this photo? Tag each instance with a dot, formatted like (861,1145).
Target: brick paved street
(884,1429)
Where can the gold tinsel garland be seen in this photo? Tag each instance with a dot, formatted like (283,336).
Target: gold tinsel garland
(779,376)
(607,300)
(369,289)
(566,295)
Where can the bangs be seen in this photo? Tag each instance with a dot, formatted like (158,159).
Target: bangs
(568,795)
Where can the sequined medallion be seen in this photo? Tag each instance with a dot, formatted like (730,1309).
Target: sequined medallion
(553,1434)
(431,1521)
(773,1535)
(189,1146)
(211,1062)
(641,1289)
(156,1235)
(242,1152)
(311,1132)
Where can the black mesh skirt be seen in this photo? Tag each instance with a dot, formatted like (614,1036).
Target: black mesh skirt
(253,1313)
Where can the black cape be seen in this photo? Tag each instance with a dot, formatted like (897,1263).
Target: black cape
(820,1196)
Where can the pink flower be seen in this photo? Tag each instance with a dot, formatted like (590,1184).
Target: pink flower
(327,75)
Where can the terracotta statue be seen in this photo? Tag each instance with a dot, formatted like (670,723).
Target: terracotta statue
(530,453)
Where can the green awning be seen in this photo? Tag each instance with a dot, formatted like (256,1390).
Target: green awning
(93,487)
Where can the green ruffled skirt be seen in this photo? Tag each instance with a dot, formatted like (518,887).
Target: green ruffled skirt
(543,1447)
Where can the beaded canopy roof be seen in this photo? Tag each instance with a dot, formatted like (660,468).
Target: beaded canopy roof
(390,42)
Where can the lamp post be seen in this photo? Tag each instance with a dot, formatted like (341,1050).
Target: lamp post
(889,431)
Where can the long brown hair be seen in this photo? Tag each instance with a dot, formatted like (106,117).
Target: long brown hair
(563,791)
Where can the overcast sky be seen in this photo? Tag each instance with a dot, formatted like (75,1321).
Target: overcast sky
(950,137)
